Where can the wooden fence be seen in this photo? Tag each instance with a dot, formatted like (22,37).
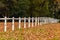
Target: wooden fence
(33,20)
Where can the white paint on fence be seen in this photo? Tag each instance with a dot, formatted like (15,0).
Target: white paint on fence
(45,21)
(19,22)
(35,21)
(38,20)
(5,25)
(24,22)
(32,21)
(29,22)
(13,24)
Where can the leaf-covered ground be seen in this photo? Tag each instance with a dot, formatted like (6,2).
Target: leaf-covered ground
(42,32)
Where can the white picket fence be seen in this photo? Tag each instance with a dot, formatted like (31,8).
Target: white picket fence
(34,20)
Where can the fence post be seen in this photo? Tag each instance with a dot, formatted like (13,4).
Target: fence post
(24,22)
(45,22)
(29,22)
(35,21)
(38,20)
(19,22)
(13,24)
(5,25)
(32,21)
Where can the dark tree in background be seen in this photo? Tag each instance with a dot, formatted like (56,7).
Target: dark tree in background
(26,8)
(53,8)
(6,11)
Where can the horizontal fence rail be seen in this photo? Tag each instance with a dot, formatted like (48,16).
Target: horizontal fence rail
(34,20)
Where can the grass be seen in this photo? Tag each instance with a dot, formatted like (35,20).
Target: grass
(11,35)
(42,32)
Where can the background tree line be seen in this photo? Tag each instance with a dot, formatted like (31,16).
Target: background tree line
(32,8)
